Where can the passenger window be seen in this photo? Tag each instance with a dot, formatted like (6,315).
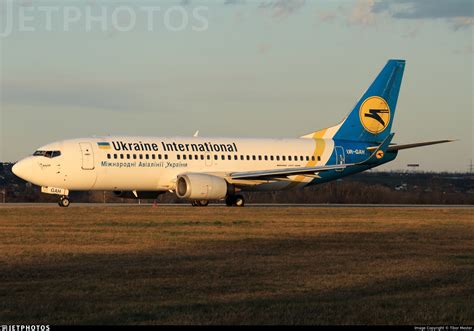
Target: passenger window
(115,156)
(229,157)
(236,157)
(147,157)
(184,156)
(301,158)
(159,156)
(241,157)
(222,157)
(266,158)
(278,157)
(260,158)
(319,158)
(271,158)
(254,158)
(283,158)
(313,158)
(289,158)
(134,156)
(196,157)
(307,158)
(166,156)
(178,157)
(248,157)
(202,157)
(121,156)
(215,157)
(190,157)
(141,156)
(108,156)
(153,156)
(128,156)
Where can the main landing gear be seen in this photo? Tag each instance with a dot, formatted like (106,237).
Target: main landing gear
(64,201)
(200,203)
(231,200)
(235,200)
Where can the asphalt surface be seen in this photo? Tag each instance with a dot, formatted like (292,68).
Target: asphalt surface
(250,205)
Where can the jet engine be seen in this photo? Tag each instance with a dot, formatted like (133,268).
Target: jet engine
(202,187)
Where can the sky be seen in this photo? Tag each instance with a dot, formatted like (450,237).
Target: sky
(233,68)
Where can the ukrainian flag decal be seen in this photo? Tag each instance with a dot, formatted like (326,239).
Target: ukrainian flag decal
(104,145)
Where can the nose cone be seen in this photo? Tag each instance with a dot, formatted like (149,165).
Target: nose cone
(24,169)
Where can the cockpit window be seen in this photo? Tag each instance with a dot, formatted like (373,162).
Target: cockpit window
(48,154)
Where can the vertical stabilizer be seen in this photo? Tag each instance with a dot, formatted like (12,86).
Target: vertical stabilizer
(372,117)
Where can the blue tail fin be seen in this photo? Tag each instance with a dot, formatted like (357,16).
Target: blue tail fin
(372,117)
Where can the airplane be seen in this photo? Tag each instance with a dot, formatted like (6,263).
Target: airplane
(201,169)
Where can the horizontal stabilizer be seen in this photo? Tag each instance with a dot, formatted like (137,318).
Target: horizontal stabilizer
(407,146)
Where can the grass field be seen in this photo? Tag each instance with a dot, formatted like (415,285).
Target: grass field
(182,265)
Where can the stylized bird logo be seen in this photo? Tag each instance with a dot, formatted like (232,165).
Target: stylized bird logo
(375,114)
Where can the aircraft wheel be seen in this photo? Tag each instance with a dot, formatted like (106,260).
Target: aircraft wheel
(235,200)
(199,203)
(239,201)
(64,202)
(229,201)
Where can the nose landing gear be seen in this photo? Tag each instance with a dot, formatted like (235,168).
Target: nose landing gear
(64,201)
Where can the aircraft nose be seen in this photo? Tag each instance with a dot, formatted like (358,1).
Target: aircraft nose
(24,169)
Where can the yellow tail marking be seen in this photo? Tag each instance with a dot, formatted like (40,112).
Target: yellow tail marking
(319,134)
(318,151)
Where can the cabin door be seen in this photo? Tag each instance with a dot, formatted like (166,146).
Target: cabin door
(87,156)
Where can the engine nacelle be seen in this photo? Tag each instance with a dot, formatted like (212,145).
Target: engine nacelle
(139,194)
(202,187)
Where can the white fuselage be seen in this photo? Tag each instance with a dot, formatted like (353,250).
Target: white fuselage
(153,164)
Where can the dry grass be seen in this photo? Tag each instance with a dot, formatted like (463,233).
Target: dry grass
(180,265)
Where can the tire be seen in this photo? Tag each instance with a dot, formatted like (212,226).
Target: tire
(239,201)
(203,203)
(64,202)
(229,201)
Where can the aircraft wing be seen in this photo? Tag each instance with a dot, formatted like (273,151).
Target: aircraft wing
(310,171)
(279,173)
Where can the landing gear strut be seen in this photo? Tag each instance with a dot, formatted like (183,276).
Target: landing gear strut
(200,203)
(235,200)
(64,202)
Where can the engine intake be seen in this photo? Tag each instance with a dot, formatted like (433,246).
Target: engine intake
(202,187)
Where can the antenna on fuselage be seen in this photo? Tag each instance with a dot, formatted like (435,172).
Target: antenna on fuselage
(196,134)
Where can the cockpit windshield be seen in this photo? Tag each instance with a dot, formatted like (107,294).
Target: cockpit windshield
(48,154)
